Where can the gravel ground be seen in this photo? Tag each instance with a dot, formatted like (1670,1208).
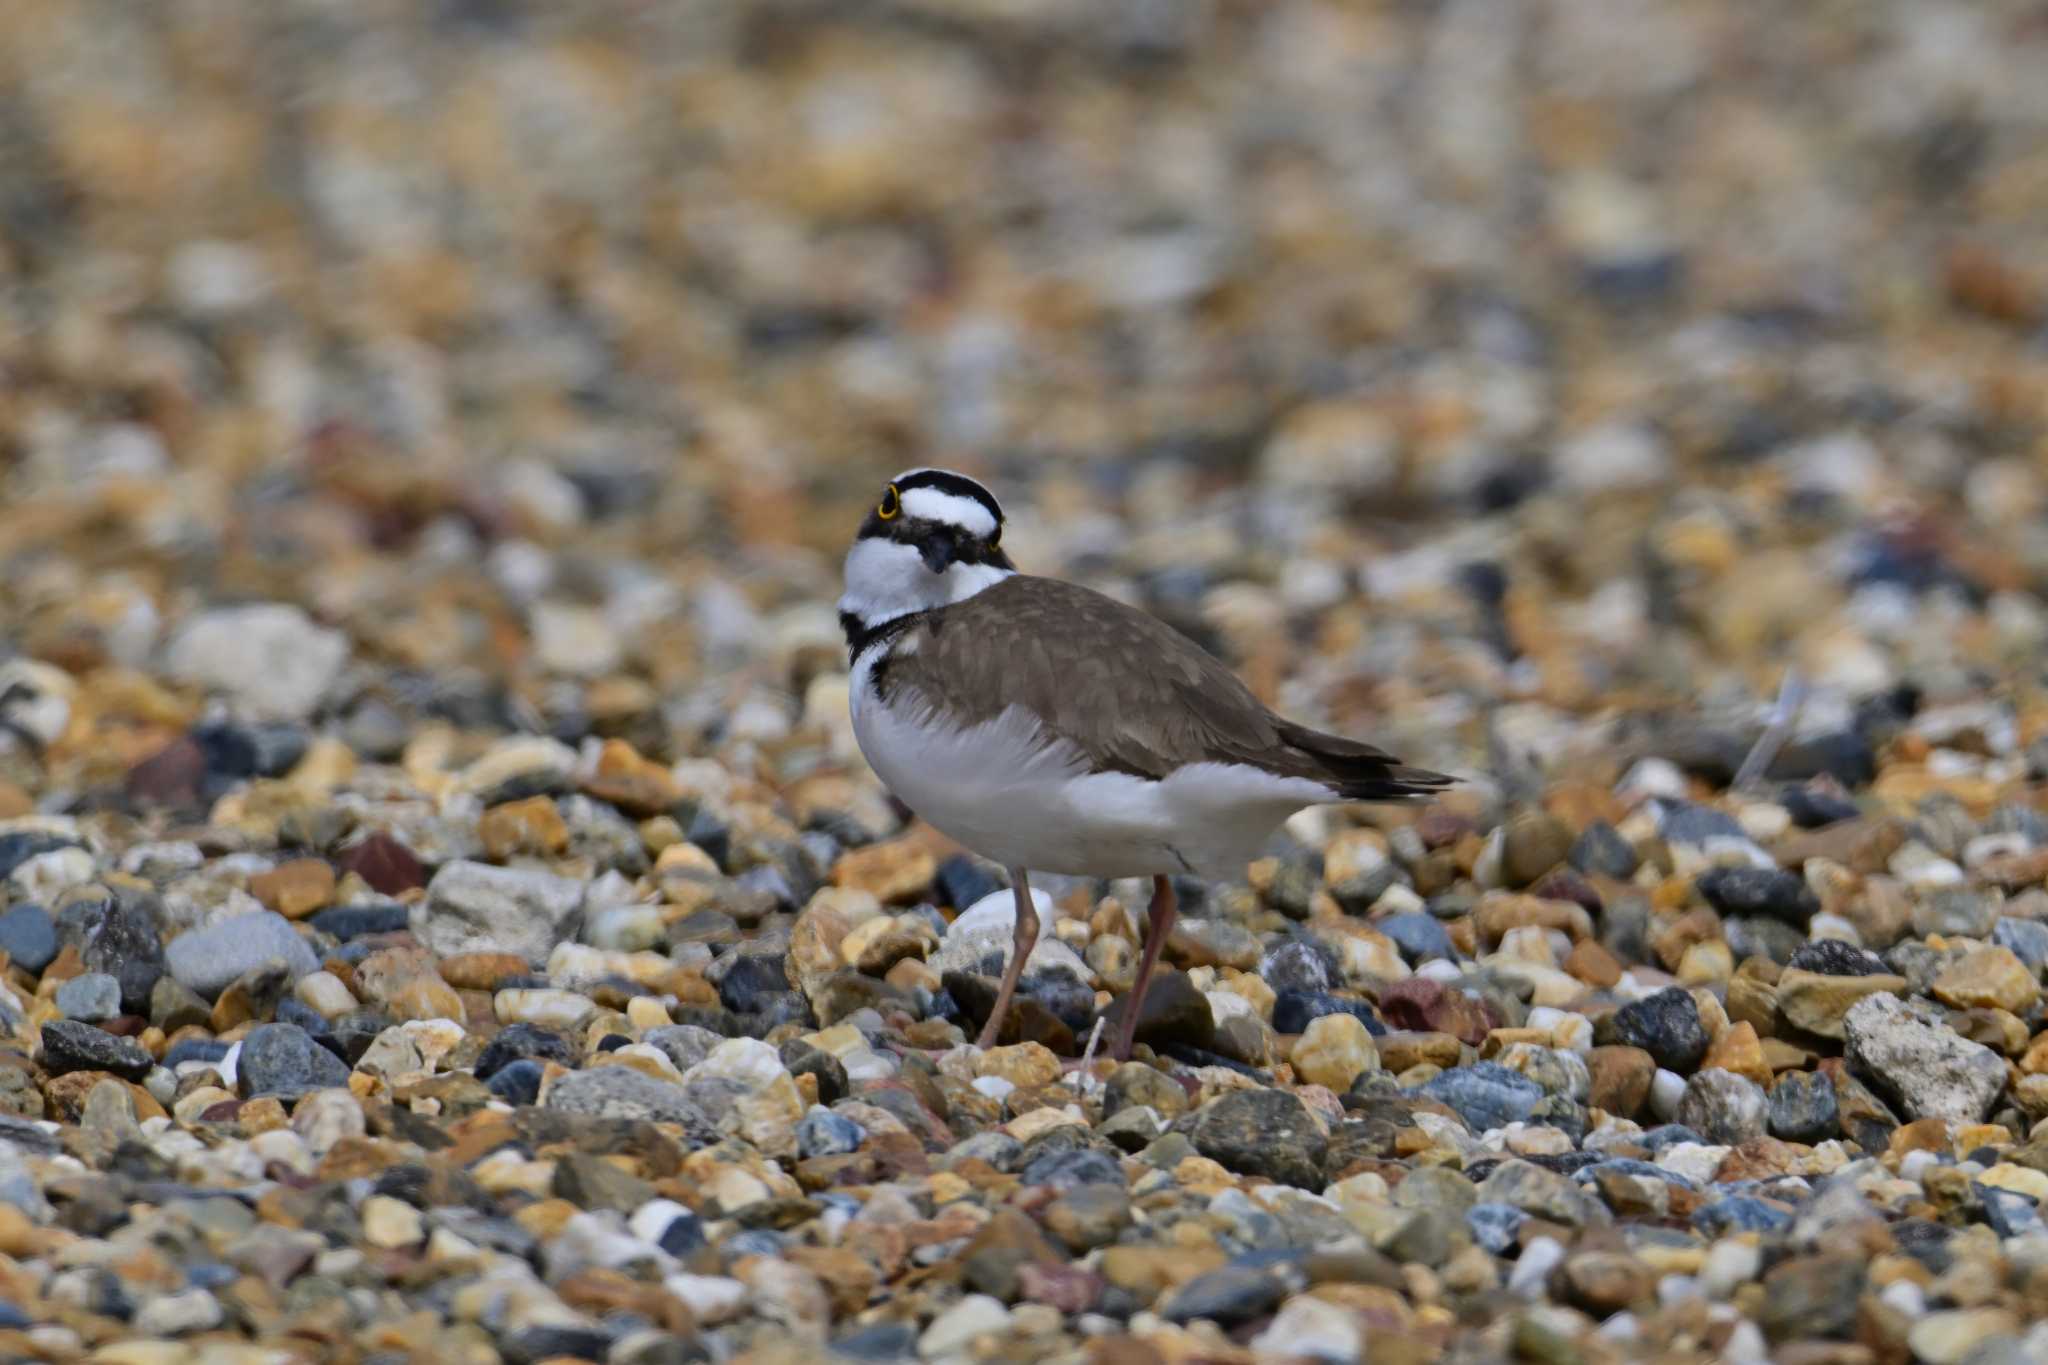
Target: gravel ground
(446,918)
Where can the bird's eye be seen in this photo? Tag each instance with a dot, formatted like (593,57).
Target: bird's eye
(891,504)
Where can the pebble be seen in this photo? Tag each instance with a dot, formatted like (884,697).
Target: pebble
(207,960)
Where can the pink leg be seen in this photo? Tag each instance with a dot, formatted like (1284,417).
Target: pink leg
(1021,943)
(1159,926)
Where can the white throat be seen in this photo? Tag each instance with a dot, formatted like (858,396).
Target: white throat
(886,579)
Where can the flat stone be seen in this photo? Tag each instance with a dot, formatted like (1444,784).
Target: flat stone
(283,1060)
(1909,1054)
(474,907)
(207,960)
(69,1045)
(1261,1132)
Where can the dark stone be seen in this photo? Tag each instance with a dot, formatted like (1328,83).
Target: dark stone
(517,1082)
(1028,1021)
(804,1058)
(1294,1011)
(1812,1296)
(530,1345)
(69,1045)
(1665,1025)
(961,881)
(744,986)
(283,1060)
(1844,755)
(1762,936)
(516,1041)
(1485,1094)
(1601,851)
(683,1235)
(345,922)
(1832,957)
(1228,1297)
(1299,964)
(1741,1213)
(591,1182)
(1667,1135)
(172,776)
(1065,1170)
(117,934)
(1759,891)
(1261,1132)
(1064,996)
(1813,808)
(1803,1108)
(2010,1213)
(387,865)
(19,846)
(824,1133)
(1419,936)
(29,937)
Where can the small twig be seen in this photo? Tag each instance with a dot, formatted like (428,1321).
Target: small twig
(1784,714)
(1082,1075)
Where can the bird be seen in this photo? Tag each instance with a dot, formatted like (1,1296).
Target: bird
(1050,728)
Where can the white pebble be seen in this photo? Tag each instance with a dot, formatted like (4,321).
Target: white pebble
(1667,1088)
(1531,1272)
(1905,1298)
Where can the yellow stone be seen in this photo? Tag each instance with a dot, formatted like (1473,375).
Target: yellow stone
(1739,1050)
(1026,1065)
(646,1012)
(1991,977)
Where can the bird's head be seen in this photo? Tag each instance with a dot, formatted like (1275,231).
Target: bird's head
(932,537)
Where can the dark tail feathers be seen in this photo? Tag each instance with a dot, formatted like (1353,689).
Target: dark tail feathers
(1361,772)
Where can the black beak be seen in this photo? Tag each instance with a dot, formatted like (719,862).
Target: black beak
(940,549)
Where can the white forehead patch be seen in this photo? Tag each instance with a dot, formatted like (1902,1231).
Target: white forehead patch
(934,504)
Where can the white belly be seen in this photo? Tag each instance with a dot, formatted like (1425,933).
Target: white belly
(1003,791)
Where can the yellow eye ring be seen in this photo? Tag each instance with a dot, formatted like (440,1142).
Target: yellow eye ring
(891,504)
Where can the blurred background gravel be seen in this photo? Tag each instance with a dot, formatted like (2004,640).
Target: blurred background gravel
(1437,362)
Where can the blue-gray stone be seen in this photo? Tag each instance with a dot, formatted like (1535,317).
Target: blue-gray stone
(195,1050)
(883,1342)
(91,998)
(824,1133)
(208,960)
(1079,1166)
(283,1060)
(1485,1094)
(345,922)
(1623,1165)
(1741,1213)
(1226,1296)
(517,1082)
(1495,1226)
(1420,937)
(29,936)
(2010,1213)
(683,1235)
(1294,1011)
(1683,822)
(2027,938)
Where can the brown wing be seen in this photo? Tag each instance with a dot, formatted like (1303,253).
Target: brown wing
(1124,687)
